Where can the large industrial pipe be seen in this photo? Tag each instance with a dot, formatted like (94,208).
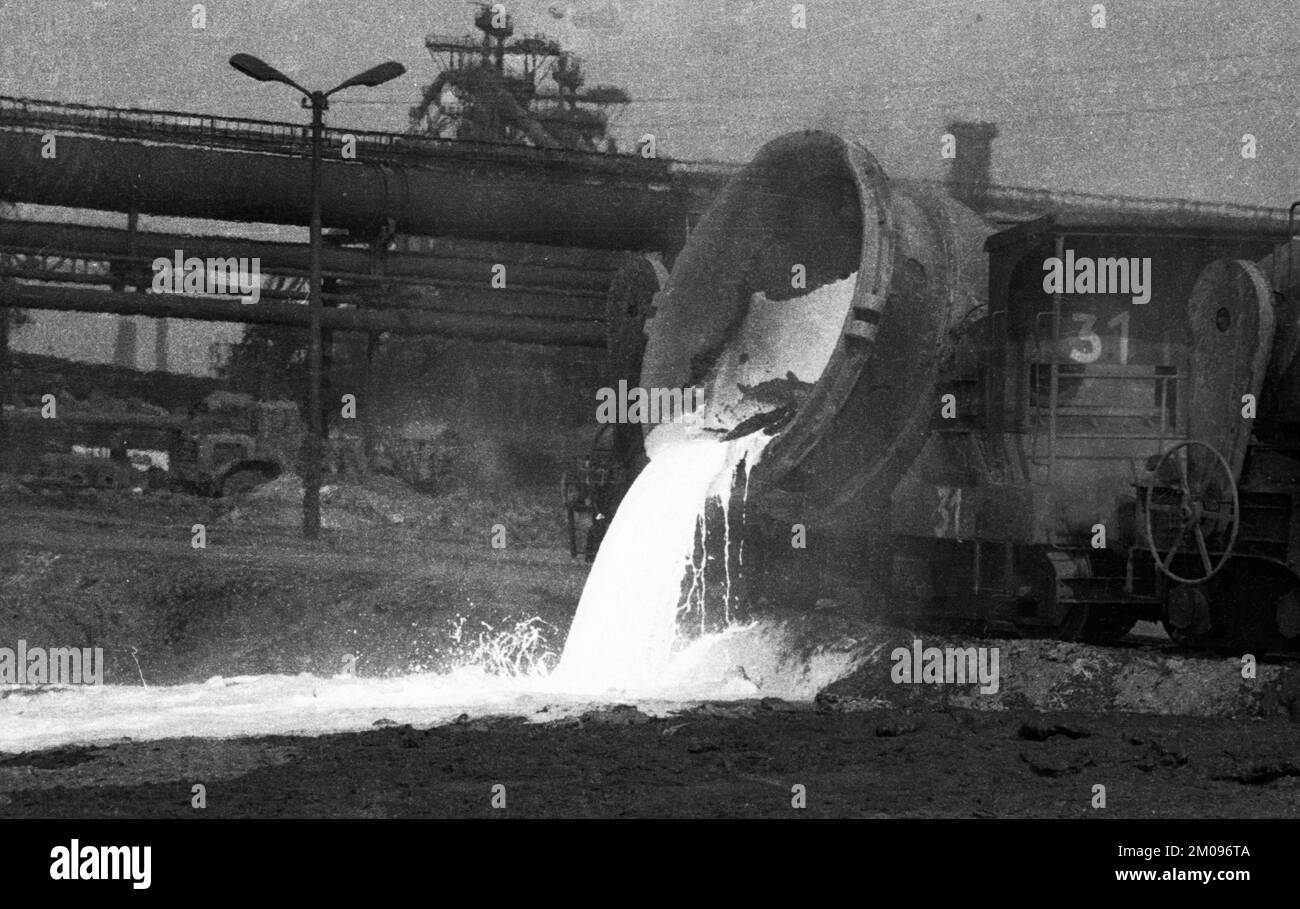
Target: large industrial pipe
(403,321)
(571,270)
(539,199)
(818,295)
(470,300)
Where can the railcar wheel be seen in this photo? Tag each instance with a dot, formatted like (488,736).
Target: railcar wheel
(1193,489)
(1187,614)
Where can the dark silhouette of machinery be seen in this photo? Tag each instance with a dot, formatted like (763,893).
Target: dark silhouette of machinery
(226,446)
(591,490)
(490,89)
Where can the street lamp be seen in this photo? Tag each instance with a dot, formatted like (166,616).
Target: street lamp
(318,102)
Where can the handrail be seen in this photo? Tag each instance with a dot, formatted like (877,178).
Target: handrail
(287,138)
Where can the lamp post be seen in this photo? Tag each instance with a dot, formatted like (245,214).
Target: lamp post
(318,101)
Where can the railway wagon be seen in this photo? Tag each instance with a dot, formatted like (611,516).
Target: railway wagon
(1061,428)
(1104,460)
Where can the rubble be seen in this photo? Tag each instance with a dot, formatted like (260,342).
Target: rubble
(1050,675)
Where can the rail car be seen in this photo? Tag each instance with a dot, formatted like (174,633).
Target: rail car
(1105,461)
(967,438)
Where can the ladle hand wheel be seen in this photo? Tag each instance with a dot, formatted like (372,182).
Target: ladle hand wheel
(1192,489)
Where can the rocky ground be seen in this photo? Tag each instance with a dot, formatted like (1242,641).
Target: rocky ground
(718,760)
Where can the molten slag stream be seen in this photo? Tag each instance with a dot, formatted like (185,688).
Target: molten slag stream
(625,632)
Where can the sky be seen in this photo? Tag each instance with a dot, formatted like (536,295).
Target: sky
(1156,103)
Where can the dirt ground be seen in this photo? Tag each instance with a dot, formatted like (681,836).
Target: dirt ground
(261,601)
(725,760)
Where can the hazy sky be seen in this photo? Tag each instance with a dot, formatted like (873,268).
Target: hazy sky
(1156,103)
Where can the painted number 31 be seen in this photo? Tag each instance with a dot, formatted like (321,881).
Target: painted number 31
(1092,342)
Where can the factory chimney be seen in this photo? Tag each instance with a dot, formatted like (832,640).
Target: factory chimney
(972,165)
